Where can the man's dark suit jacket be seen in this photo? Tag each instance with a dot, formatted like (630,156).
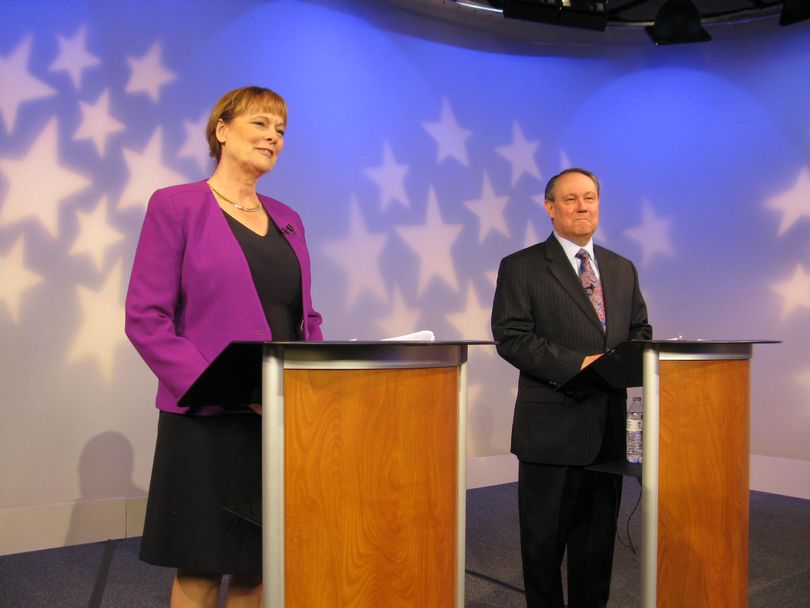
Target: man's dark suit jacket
(544,325)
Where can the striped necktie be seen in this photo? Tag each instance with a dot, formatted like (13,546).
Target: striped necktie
(592,286)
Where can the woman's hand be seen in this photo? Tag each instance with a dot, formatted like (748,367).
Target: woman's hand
(256,407)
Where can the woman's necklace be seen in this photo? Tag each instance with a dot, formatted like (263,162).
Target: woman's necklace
(230,202)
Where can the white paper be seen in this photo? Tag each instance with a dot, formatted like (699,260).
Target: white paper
(424,335)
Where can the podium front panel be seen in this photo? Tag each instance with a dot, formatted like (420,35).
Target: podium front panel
(370,487)
(367,508)
(695,475)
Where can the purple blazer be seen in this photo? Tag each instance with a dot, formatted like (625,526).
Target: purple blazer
(191,291)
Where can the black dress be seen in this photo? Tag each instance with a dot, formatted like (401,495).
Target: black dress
(205,464)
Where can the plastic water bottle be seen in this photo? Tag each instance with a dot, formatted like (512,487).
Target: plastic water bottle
(635,416)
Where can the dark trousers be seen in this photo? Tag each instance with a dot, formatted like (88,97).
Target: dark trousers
(568,506)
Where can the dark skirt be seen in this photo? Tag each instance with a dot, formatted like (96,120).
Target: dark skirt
(204,465)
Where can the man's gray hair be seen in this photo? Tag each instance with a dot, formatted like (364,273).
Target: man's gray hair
(549,195)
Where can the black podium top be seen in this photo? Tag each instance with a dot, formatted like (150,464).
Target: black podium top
(622,366)
(234,376)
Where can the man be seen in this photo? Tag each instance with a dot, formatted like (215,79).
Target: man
(558,306)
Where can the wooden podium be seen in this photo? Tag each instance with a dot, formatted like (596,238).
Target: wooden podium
(364,447)
(695,489)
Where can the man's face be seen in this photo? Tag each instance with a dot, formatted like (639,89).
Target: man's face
(575,208)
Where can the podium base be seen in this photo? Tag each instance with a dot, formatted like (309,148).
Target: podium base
(618,467)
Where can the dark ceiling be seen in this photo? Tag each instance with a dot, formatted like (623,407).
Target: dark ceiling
(626,19)
(643,12)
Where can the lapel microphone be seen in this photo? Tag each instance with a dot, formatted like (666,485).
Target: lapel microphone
(288,229)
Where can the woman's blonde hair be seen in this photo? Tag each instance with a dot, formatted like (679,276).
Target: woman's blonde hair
(238,102)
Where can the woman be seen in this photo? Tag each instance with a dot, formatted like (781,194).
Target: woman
(216,262)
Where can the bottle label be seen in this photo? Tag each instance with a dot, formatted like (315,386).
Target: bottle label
(634,426)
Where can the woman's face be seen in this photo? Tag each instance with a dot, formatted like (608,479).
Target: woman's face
(252,141)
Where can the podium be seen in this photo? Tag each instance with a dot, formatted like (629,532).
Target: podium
(695,489)
(363,464)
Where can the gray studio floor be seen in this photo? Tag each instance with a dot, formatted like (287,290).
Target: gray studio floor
(110,575)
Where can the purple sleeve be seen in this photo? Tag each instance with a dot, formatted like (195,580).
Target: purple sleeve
(153,297)
(312,318)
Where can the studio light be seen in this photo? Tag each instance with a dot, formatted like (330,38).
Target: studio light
(677,22)
(584,14)
(794,11)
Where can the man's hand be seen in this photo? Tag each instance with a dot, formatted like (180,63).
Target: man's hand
(256,407)
(587,360)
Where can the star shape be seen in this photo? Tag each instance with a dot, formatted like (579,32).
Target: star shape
(490,211)
(38,183)
(96,234)
(472,323)
(520,154)
(147,173)
(795,291)
(652,235)
(402,319)
(358,255)
(16,278)
(794,203)
(531,237)
(97,124)
(565,162)
(450,137)
(195,144)
(73,57)
(803,377)
(492,277)
(433,242)
(17,84)
(102,329)
(390,177)
(148,74)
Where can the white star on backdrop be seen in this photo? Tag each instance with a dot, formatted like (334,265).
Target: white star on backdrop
(358,255)
(147,173)
(531,237)
(97,124)
(401,320)
(803,377)
(450,137)
(195,144)
(472,323)
(38,183)
(492,276)
(565,162)
(433,242)
(96,233)
(16,278)
(520,154)
(490,211)
(652,235)
(17,84)
(794,203)
(390,177)
(102,325)
(540,199)
(795,291)
(73,57)
(148,74)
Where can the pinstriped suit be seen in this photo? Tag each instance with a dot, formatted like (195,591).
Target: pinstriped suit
(545,325)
